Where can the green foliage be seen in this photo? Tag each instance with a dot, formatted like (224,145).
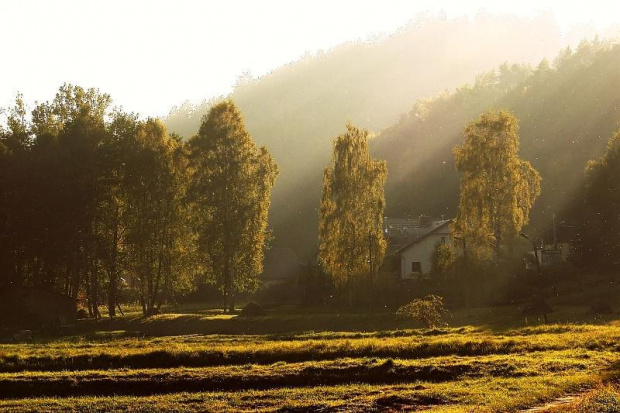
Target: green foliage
(94,202)
(352,207)
(600,241)
(296,109)
(498,189)
(230,195)
(428,310)
(443,259)
(567,110)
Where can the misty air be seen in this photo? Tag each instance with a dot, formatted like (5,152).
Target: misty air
(286,206)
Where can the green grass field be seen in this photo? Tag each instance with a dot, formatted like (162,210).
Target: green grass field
(302,361)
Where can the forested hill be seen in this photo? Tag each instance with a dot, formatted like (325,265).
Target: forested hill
(568,109)
(298,109)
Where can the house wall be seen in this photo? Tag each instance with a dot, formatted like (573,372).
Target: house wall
(421,252)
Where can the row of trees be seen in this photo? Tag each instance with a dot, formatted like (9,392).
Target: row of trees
(498,190)
(97,202)
(566,118)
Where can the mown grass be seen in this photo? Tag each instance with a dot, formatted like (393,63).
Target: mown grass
(483,368)
(481,395)
(602,399)
(313,373)
(201,351)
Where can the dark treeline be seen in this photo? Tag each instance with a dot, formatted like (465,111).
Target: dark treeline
(100,205)
(107,207)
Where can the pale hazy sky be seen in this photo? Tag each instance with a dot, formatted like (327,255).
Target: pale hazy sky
(151,55)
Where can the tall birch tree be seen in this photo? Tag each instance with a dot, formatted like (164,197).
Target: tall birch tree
(498,189)
(351,212)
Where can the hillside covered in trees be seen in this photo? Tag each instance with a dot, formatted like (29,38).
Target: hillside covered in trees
(567,108)
(298,109)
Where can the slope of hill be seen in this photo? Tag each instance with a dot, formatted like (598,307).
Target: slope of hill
(568,111)
(298,109)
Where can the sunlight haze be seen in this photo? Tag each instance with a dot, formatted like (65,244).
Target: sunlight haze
(310,206)
(152,55)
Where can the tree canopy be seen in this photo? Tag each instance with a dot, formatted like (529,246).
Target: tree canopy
(498,189)
(352,207)
(92,202)
(600,235)
(230,193)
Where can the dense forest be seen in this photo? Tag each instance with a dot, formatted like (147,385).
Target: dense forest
(109,208)
(568,109)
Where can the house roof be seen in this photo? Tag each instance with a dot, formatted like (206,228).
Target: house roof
(431,230)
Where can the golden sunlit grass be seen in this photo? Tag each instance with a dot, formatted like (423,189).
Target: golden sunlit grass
(602,399)
(447,369)
(482,394)
(105,351)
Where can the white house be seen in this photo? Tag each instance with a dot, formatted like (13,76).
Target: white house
(415,256)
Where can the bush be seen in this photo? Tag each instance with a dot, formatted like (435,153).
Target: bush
(601,307)
(536,308)
(252,310)
(428,310)
(81,314)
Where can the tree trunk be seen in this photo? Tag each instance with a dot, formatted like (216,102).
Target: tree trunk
(112,288)
(226,281)
(225,300)
(350,288)
(154,293)
(112,297)
(232,289)
(94,290)
(231,309)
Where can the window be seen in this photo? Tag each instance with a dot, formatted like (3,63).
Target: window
(416,267)
(443,240)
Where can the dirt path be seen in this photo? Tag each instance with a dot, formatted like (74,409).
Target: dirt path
(557,402)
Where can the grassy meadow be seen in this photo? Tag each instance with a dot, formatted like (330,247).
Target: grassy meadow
(287,360)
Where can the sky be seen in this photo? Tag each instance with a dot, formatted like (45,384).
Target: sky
(152,55)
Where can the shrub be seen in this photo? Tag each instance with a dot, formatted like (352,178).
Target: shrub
(443,260)
(428,310)
(81,314)
(536,308)
(252,310)
(601,307)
